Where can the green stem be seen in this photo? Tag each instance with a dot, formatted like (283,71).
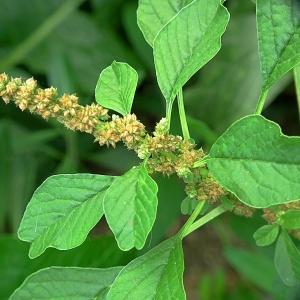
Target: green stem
(261,102)
(297,84)
(169,113)
(182,115)
(191,219)
(39,34)
(205,219)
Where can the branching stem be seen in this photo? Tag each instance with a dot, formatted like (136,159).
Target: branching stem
(191,219)
(205,219)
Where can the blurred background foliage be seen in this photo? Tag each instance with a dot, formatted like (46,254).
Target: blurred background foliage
(66,44)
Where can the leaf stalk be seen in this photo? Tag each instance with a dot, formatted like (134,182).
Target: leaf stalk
(182,115)
(261,101)
(169,114)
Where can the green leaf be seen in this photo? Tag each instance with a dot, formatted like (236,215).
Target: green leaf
(62,211)
(130,206)
(266,235)
(278,25)
(291,219)
(181,48)
(257,163)
(153,15)
(155,275)
(67,283)
(93,253)
(287,260)
(116,87)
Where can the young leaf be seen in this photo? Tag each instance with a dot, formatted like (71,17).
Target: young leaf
(116,87)
(62,211)
(187,43)
(266,235)
(278,26)
(287,260)
(291,219)
(130,206)
(257,163)
(153,15)
(67,283)
(155,275)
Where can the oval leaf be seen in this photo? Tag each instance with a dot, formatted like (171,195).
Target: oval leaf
(155,275)
(257,163)
(130,206)
(116,87)
(291,219)
(278,26)
(287,260)
(266,235)
(188,42)
(152,15)
(62,211)
(67,283)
